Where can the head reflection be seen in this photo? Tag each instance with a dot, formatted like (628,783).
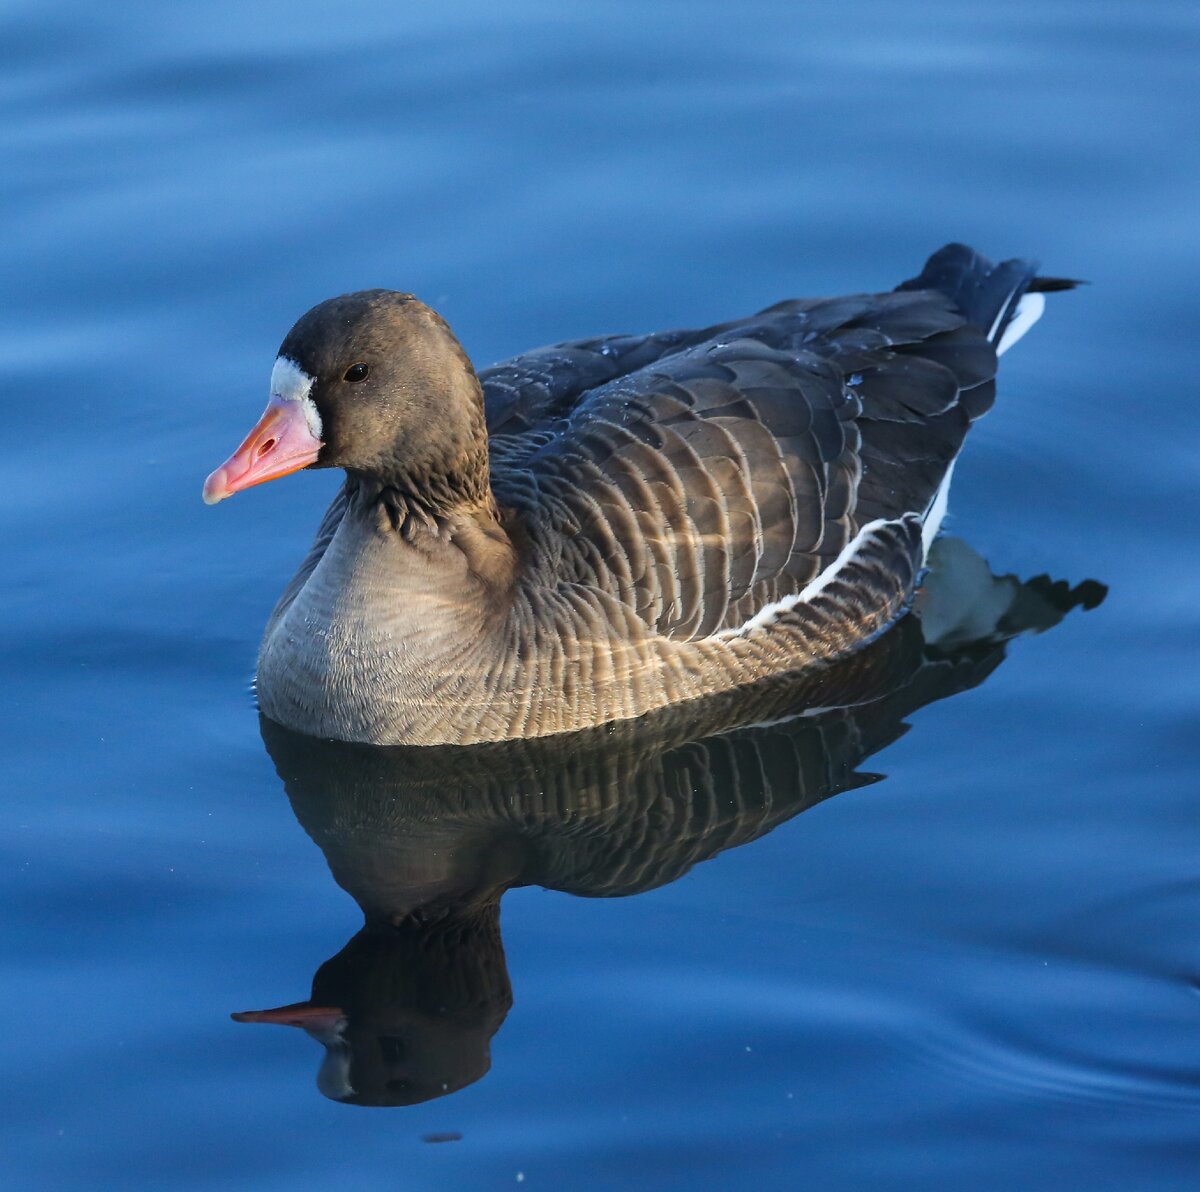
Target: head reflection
(406,1012)
(427,840)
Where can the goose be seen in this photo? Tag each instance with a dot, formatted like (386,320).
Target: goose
(607,527)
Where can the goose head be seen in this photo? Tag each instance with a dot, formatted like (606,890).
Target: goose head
(373,382)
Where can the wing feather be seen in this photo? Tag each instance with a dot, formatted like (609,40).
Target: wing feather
(698,476)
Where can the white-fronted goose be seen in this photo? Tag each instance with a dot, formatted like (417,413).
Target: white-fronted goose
(601,528)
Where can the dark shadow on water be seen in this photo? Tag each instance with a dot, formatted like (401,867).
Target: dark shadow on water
(428,840)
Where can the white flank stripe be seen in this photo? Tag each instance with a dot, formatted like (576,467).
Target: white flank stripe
(1029,310)
(937,510)
(932,523)
(770,612)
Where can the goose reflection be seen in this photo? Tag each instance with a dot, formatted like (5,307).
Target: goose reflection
(427,840)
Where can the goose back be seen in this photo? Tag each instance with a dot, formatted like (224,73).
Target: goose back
(699,476)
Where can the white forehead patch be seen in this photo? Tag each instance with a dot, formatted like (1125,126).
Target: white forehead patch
(289,382)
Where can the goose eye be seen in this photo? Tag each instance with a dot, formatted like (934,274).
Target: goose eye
(356,372)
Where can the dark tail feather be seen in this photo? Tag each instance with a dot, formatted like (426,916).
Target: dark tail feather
(986,294)
(1051,285)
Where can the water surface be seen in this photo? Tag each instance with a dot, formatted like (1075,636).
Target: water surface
(978,972)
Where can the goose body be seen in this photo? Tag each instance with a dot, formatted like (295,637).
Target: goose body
(600,529)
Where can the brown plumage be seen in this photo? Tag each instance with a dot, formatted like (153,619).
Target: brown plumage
(602,528)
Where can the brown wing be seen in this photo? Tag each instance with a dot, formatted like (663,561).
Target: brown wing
(737,464)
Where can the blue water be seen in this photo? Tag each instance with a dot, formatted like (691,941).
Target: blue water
(980,972)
